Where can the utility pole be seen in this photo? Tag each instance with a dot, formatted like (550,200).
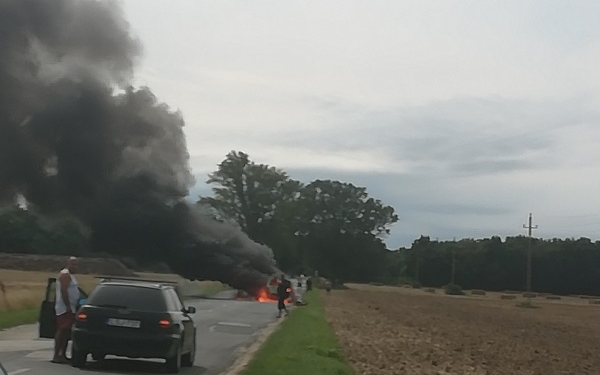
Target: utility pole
(453,265)
(417,265)
(453,278)
(529,227)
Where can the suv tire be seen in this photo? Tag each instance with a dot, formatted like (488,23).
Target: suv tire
(78,358)
(188,359)
(174,363)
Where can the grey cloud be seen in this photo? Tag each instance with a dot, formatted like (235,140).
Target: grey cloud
(457,209)
(455,136)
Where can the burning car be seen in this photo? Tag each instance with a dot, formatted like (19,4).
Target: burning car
(269,292)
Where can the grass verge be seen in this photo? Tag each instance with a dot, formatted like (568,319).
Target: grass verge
(304,344)
(12,318)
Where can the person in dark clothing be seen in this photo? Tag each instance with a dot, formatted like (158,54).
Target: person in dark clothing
(283,292)
(309,284)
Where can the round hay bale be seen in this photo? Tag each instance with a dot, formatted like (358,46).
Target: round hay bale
(594,301)
(530,295)
(429,290)
(508,296)
(478,292)
(553,297)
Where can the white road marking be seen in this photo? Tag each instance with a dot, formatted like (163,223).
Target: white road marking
(24,345)
(228,324)
(232,324)
(41,354)
(16,372)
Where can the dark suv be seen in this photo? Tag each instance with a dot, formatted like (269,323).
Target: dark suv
(135,319)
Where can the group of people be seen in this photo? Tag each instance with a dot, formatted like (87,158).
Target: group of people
(284,290)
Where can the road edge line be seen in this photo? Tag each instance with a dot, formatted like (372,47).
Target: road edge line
(247,353)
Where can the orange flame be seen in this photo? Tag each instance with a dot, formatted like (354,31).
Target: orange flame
(265,296)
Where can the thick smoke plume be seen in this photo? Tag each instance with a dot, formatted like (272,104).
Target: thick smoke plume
(76,138)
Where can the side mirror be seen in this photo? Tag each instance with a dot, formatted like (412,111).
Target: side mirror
(190,310)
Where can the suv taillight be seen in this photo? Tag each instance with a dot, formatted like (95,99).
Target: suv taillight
(164,323)
(82,317)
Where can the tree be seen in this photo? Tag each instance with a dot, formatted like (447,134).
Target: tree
(262,200)
(248,193)
(345,207)
(341,227)
(329,226)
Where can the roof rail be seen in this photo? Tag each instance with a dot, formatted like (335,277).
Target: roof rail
(119,278)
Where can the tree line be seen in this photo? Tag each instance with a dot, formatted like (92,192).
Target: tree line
(561,266)
(21,231)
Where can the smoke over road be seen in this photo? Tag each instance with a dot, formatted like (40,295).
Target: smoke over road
(76,138)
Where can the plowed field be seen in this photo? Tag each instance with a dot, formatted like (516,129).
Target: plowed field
(412,332)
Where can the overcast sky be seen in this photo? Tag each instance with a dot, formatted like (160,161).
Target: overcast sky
(463,115)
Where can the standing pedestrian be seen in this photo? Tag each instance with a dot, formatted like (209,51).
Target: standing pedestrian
(298,292)
(67,297)
(283,292)
(328,286)
(309,284)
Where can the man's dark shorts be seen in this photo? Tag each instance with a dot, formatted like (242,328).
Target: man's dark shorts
(281,304)
(65,321)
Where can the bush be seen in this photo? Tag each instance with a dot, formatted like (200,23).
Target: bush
(453,289)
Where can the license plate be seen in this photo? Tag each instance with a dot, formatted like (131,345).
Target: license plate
(123,323)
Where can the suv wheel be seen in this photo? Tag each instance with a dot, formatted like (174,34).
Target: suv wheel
(188,359)
(78,358)
(174,363)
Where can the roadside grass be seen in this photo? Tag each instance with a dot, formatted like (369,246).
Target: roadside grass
(14,318)
(304,344)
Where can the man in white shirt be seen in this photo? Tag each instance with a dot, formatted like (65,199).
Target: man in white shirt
(67,297)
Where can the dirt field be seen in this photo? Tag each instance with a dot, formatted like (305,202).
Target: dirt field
(388,331)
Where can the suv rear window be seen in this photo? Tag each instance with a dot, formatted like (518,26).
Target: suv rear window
(130,297)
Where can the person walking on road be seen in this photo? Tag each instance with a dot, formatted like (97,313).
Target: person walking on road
(283,292)
(67,297)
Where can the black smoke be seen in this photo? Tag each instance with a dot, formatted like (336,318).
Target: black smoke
(77,138)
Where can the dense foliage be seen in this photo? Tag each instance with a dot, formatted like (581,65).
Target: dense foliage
(563,266)
(23,232)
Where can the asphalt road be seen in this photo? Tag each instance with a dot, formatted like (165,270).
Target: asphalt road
(224,327)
